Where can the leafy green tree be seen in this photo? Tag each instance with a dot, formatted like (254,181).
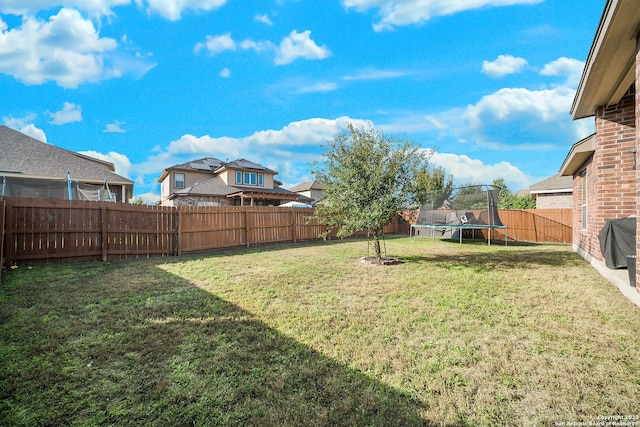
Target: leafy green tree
(138,201)
(509,200)
(432,185)
(369,178)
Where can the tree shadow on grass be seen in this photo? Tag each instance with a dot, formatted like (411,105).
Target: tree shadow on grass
(108,349)
(508,258)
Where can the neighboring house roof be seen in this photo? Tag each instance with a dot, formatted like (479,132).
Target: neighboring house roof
(216,187)
(24,156)
(555,184)
(213,165)
(310,185)
(610,68)
(206,164)
(579,153)
(247,165)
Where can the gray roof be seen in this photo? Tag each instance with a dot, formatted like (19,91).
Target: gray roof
(21,154)
(216,187)
(212,165)
(555,183)
(311,185)
(206,164)
(246,164)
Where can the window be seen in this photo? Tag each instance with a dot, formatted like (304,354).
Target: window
(250,178)
(583,197)
(178,180)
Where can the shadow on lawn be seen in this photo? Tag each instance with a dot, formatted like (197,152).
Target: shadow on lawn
(508,258)
(107,349)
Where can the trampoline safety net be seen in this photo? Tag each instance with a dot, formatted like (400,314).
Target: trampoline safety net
(55,189)
(472,205)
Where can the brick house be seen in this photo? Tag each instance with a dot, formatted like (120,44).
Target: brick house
(555,192)
(212,182)
(603,165)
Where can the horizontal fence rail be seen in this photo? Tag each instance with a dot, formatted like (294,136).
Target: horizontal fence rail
(48,231)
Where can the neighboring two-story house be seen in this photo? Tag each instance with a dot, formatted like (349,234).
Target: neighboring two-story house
(32,168)
(212,182)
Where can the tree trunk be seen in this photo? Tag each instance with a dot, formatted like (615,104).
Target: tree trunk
(376,244)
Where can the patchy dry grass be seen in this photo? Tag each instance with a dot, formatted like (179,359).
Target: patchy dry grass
(306,335)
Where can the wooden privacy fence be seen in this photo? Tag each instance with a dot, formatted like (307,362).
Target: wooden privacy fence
(538,225)
(524,225)
(43,230)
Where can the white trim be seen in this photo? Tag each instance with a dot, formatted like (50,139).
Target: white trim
(559,190)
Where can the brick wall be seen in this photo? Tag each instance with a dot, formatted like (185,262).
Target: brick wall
(554,201)
(610,187)
(637,109)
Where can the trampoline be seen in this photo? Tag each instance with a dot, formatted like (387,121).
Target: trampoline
(451,214)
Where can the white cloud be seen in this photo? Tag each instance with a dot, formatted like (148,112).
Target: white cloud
(224,42)
(120,161)
(66,49)
(405,12)
(375,74)
(506,104)
(30,7)
(299,45)
(114,127)
(295,45)
(565,67)
(318,87)
(264,19)
(225,73)
(216,44)
(503,65)
(23,125)
(70,113)
(258,46)
(173,9)
(149,198)
(466,170)
(270,146)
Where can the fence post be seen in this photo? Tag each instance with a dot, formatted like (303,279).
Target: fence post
(246,224)
(175,214)
(105,232)
(8,220)
(294,223)
(179,229)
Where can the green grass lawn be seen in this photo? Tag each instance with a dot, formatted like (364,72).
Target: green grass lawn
(304,334)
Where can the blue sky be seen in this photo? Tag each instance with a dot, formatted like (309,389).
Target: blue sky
(146,84)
